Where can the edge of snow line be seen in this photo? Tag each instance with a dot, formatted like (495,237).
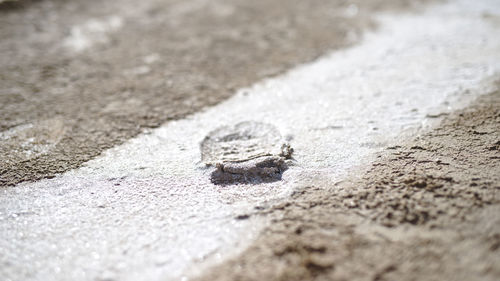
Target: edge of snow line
(147,209)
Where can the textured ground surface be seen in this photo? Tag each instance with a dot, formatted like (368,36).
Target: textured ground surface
(425,210)
(78,77)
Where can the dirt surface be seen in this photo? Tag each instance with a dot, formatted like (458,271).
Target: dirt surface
(426,210)
(78,77)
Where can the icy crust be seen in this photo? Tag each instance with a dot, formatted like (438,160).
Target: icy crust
(262,169)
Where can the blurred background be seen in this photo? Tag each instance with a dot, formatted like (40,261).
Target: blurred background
(81,76)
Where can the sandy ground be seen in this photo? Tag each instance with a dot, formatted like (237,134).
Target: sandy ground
(427,209)
(79,77)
